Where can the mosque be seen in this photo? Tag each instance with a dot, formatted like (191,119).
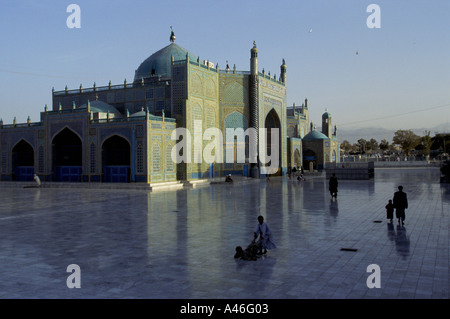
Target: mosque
(126,133)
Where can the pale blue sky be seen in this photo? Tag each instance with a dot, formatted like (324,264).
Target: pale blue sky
(400,70)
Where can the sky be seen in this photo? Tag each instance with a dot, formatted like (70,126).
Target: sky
(395,75)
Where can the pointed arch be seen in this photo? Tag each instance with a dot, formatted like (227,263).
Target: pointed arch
(67,156)
(272,121)
(116,159)
(22,161)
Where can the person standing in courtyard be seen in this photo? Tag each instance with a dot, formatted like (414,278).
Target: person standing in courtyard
(333,186)
(265,234)
(400,204)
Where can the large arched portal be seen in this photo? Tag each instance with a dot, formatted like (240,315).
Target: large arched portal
(23,161)
(273,147)
(309,160)
(67,156)
(116,160)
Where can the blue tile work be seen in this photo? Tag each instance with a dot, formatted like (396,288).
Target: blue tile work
(180,244)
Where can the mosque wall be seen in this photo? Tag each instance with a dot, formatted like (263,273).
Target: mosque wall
(272,96)
(234,113)
(202,112)
(161,167)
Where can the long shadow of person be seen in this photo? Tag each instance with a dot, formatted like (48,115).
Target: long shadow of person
(402,241)
(399,237)
(391,231)
(334,209)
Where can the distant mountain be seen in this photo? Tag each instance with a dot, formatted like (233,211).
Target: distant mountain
(354,134)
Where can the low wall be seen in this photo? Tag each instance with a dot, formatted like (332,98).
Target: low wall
(406,164)
(351,170)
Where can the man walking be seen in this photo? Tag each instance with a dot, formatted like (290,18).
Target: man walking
(400,204)
(333,186)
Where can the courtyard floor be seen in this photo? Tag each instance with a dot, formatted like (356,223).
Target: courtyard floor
(180,243)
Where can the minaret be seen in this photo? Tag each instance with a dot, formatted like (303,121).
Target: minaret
(326,124)
(254,108)
(283,72)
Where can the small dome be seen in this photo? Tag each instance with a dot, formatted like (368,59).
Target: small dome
(159,63)
(101,107)
(315,135)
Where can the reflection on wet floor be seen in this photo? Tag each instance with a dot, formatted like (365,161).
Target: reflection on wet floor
(180,244)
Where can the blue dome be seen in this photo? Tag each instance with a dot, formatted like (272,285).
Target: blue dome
(315,135)
(159,63)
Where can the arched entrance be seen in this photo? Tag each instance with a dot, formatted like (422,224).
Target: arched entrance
(67,156)
(23,161)
(116,160)
(273,121)
(309,159)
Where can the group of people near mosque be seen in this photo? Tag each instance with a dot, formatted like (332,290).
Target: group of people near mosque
(296,171)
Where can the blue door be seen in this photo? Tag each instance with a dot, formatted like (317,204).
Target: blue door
(68,173)
(24,173)
(116,174)
(245,172)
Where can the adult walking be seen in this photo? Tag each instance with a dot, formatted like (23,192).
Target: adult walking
(333,186)
(400,202)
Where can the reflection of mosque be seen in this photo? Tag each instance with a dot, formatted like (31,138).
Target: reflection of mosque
(122,133)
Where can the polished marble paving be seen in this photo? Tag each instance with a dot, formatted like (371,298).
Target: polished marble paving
(180,243)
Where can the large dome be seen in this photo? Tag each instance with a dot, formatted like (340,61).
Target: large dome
(314,135)
(159,63)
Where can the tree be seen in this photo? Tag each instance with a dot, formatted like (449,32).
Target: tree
(441,142)
(373,145)
(346,146)
(362,143)
(425,143)
(406,139)
(384,145)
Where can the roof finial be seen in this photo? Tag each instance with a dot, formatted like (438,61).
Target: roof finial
(172,35)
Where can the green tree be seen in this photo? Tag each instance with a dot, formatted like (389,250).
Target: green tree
(425,143)
(362,144)
(406,139)
(384,145)
(373,145)
(441,142)
(346,146)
